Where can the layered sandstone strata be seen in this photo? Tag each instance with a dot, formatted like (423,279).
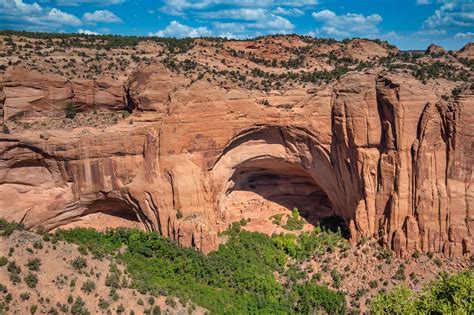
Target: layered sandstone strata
(381,150)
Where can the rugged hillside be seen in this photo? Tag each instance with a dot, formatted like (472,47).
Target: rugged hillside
(185,137)
(81,271)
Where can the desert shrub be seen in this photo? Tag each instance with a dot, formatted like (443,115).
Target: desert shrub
(400,273)
(70,111)
(7,228)
(151,300)
(79,307)
(103,304)
(113,278)
(3,261)
(25,296)
(13,268)
(34,264)
(5,129)
(38,244)
(88,287)
(31,280)
(294,223)
(437,262)
(277,218)
(336,278)
(113,294)
(79,263)
(156,310)
(170,301)
(120,309)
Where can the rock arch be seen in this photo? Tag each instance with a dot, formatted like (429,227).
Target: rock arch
(286,165)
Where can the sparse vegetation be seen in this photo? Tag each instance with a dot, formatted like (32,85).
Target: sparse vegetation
(294,222)
(223,277)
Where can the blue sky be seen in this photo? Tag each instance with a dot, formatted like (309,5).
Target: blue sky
(410,24)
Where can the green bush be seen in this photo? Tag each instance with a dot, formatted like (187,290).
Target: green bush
(450,294)
(25,296)
(34,264)
(447,295)
(13,268)
(3,261)
(5,129)
(294,223)
(88,286)
(309,298)
(3,288)
(103,304)
(70,111)
(31,280)
(79,263)
(79,307)
(7,228)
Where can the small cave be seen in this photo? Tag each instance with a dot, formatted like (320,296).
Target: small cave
(280,185)
(107,213)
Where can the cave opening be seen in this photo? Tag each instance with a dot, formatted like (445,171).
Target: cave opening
(107,213)
(278,185)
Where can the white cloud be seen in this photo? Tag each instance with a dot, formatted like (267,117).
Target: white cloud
(288,12)
(79,2)
(458,13)
(391,36)
(229,27)
(467,35)
(178,7)
(430,32)
(297,3)
(236,14)
(422,2)
(249,20)
(87,32)
(57,16)
(350,24)
(178,30)
(101,16)
(33,17)
(275,24)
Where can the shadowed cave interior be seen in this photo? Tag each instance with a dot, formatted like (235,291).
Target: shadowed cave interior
(288,185)
(107,213)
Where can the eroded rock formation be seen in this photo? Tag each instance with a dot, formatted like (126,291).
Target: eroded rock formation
(381,150)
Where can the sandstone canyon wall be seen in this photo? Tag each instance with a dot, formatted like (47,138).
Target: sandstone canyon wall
(379,149)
